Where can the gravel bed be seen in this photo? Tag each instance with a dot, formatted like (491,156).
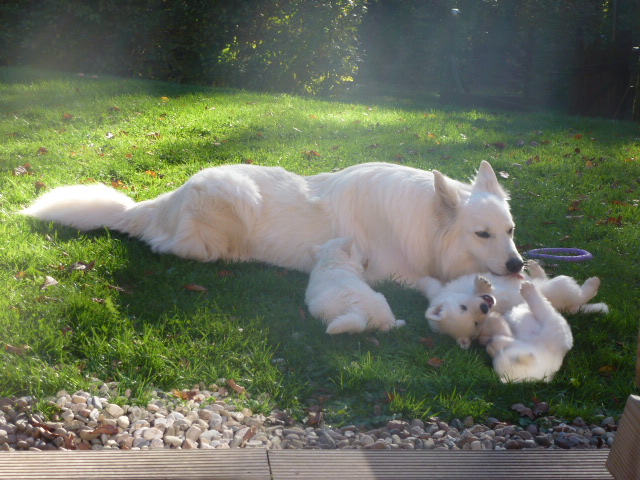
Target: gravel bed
(205,419)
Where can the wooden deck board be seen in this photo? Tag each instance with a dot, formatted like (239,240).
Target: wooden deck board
(249,464)
(440,465)
(259,464)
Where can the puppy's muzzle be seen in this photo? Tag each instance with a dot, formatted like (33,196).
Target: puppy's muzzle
(488,302)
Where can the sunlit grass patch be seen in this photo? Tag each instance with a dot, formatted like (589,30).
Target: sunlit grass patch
(135,317)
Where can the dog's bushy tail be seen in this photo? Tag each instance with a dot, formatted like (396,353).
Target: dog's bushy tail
(85,207)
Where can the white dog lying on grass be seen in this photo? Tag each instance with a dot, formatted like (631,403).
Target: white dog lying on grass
(339,295)
(530,341)
(460,307)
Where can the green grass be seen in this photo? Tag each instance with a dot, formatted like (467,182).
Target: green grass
(129,319)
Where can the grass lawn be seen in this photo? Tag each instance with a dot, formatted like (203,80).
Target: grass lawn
(84,306)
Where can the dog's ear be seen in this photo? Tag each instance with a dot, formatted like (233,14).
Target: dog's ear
(447,197)
(435,313)
(487,182)
(482,285)
(430,286)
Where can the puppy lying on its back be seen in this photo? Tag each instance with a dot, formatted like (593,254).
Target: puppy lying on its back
(530,342)
(338,294)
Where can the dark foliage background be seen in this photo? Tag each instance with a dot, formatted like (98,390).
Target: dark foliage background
(527,48)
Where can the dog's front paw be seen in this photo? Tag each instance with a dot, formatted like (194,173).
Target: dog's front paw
(400,323)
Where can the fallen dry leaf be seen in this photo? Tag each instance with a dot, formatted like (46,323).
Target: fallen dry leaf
(194,287)
(427,342)
(374,340)
(48,282)
(606,370)
(185,394)
(82,266)
(316,416)
(312,153)
(22,170)
(239,389)
(20,350)
(615,221)
(435,362)
(106,429)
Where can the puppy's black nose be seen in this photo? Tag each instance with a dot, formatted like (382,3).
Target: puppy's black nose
(484,308)
(514,265)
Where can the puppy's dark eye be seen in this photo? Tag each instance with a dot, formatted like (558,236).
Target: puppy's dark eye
(463,308)
(483,234)
(510,232)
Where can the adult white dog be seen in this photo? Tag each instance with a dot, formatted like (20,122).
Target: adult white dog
(407,222)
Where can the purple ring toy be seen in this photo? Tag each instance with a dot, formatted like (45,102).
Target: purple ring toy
(572,254)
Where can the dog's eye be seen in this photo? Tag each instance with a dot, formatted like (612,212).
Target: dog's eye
(510,232)
(463,308)
(483,234)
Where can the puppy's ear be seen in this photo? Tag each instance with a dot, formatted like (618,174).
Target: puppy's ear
(430,286)
(482,286)
(447,197)
(348,246)
(436,313)
(487,182)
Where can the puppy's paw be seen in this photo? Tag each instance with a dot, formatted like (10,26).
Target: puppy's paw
(347,323)
(535,270)
(590,288)
(482,285)
(400,323)
(464,343)
(527,289)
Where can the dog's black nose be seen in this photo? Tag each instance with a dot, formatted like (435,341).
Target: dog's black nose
(514,265)
(484,308)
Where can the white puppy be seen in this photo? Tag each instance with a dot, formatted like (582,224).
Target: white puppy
(535,348)
(460,307)
(457,313)
(338,294)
